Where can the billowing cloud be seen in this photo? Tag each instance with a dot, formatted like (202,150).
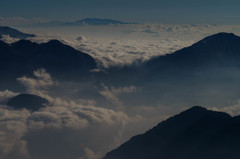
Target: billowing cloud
(89,154)
(73,115)
(80,131)
(81,38)
(12,128)
(89,131)
(233,110)
(74,128)
(41,81)
(119,52)
(86,123)
(111,94)
(124,44)
(8,39)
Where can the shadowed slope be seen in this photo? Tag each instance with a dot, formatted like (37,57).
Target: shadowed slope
(195,133)
(23,57)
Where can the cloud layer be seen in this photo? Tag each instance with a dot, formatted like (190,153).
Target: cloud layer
(123,44)
(80,128)
(65,128)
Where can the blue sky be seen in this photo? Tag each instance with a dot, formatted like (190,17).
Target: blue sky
(165,11)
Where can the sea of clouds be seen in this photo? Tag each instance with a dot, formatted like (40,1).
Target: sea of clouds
(78,128)
(74,128)
(124,44)
(70,128)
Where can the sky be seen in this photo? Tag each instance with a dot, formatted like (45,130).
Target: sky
(163,11)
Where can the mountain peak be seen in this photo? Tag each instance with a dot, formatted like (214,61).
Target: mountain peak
(24,44)
(61,61)
(54,42)
(215,51)
(197,109)
(200,113)
(23,41)
(220,37)
(195,133)
(27,101)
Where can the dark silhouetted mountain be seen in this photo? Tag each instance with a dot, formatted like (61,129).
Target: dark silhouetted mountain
(60,60)
(27,101)
(196,133)
(217,53)
(4,30)
(221,50)
(95,21)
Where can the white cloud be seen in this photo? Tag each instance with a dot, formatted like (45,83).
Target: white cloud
(37,85)
(116,47)
(121,52)
(93,130)
(81,38)
(123,44)
(111,94)
(89,154)
(72,115)
(143,41)
(233,110)
(62,117)
(12,128)
(8,39)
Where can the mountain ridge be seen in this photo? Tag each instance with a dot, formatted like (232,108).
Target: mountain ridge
(195,133)
(213,46)
(24,57)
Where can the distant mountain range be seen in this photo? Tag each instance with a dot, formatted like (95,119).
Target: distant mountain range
(14,33)
(86,21)
(95,21)
(196,133)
